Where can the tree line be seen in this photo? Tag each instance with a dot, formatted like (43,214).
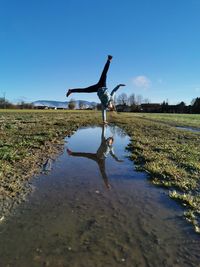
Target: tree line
(5,104)
(132,103)
(136,103)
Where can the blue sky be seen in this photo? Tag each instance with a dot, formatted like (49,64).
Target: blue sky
(48,46)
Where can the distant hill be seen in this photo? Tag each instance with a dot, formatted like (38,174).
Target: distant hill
(59,104)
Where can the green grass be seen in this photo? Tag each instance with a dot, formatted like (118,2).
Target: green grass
(190,120)
(170,156)
(27,139)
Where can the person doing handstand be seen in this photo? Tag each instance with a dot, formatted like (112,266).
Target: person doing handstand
(106,98)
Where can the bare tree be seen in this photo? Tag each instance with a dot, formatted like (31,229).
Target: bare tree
(132,100)
(81,105)
(99,106)
(4,96)
(4,103)
(196,105)
(24,105)
(72,104)
(146,101)
(122,99)
(138,99)
(193,101)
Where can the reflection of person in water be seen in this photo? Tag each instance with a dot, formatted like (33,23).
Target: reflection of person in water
(105,148)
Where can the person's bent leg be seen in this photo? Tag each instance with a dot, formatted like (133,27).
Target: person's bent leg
(113,96)
(115,89)
(102,80)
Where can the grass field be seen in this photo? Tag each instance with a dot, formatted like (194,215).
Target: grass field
(170,156)
(28,138)
(190,120)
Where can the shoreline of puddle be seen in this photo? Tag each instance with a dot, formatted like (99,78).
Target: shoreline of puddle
(190,129)
(83,214)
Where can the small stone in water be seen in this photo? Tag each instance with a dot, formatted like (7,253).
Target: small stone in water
(197,229)
(123,259)
(2,218)
(97,192)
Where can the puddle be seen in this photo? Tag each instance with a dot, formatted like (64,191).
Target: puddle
(88,210)
(195,130)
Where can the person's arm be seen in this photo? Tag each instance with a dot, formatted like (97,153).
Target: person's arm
(104,114)
(114,156)
(103,173)
(103,133)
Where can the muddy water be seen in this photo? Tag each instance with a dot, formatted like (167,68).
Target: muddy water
(195,130)
(92,208)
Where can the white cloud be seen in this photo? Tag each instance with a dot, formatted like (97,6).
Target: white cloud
(142,81)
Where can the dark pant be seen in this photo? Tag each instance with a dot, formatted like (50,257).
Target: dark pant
(94,88)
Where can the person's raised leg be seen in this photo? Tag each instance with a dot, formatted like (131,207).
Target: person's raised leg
(90,89)
(102,80)
(94,88)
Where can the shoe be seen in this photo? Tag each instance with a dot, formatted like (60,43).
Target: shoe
(69,152)
(68,93)
(110,57)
